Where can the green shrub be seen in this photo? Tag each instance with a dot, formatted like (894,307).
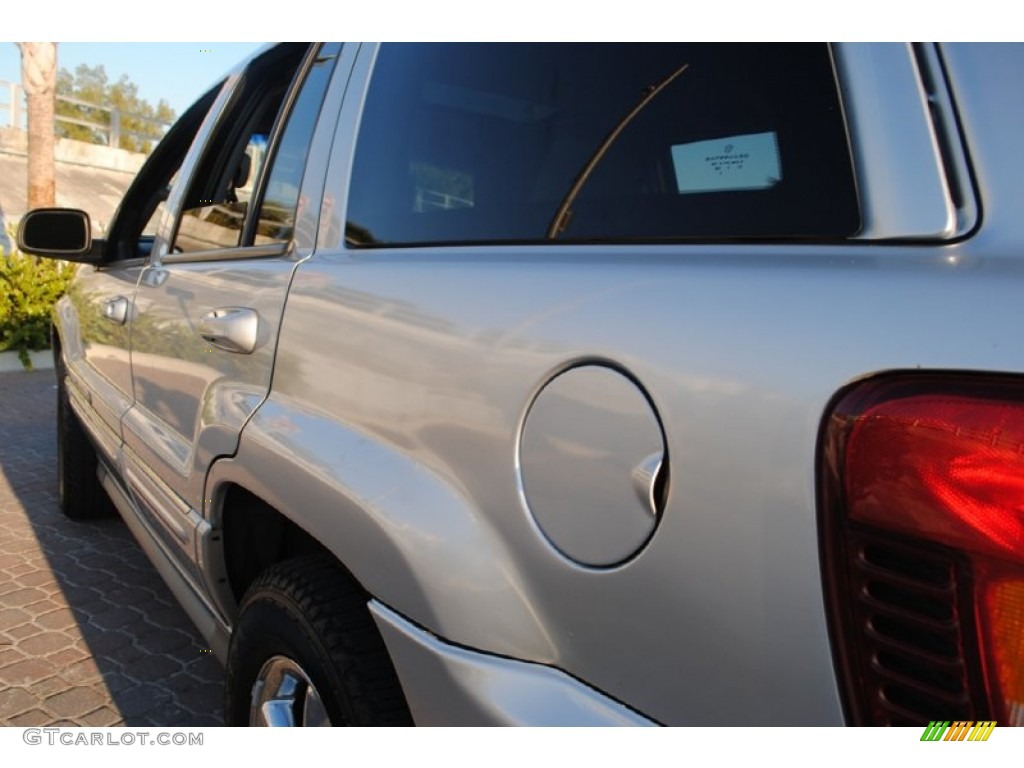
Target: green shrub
(29,287)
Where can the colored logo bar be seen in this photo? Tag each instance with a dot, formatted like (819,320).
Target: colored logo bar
(961,730)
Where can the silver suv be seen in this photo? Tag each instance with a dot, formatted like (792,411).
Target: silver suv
(572,384)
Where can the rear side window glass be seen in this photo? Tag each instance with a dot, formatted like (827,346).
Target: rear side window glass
(609,142)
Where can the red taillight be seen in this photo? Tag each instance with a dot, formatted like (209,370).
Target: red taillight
(938,461)
(949,468)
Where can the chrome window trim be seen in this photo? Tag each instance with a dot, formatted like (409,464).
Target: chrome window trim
(270,250)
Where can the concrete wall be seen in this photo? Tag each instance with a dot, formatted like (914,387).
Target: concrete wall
(97,189)
(14,141)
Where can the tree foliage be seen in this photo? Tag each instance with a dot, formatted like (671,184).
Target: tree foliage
(138,131)
(29,287)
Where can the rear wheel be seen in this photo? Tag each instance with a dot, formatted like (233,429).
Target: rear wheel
(79,493)
(307,653)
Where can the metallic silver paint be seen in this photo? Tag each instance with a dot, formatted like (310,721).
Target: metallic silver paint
(456,369)
(903,191)
(96,350)
(192,397)
(991,110)
(584,444)
(192,599)
(393,522)
(477,689)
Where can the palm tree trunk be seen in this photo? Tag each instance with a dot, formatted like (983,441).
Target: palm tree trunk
(39,79)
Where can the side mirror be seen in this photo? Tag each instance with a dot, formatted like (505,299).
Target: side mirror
(57,233)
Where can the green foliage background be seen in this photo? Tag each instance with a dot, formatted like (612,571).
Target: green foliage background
(29,287)
(91,84)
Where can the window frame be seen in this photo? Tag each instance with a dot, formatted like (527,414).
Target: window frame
(313,57)
(207,142)
(917,102)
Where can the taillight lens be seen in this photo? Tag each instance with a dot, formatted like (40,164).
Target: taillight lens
(1001,626)
(923,525)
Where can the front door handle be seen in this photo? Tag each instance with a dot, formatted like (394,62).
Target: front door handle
(234,329)
(116,309)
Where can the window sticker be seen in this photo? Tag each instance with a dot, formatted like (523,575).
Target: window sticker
(746,162)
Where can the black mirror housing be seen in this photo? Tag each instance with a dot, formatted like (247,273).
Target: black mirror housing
(58,233)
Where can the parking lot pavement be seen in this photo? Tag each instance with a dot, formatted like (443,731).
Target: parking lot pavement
(89,634)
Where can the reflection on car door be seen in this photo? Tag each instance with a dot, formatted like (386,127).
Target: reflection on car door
(207,312)
(96,348)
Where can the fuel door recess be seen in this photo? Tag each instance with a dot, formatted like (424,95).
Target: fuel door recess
(593,465)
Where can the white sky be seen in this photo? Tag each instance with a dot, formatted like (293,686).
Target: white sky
(186,20)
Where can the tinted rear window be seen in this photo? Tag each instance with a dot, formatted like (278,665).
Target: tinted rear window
(612,142)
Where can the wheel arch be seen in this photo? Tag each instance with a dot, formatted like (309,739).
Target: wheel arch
(253,536)
(408,538)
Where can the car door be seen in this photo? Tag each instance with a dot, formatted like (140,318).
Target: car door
(211,296)
(95,348)
(95,317)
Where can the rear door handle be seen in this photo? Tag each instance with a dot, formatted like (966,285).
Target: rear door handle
(234,329)
(116,309)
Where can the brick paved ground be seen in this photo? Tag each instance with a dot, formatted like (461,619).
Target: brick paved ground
(89,634)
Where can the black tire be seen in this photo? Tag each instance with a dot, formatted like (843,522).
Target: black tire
(308,611)
(79,493)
